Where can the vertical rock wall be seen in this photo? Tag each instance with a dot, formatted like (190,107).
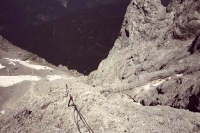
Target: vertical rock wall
(156,43)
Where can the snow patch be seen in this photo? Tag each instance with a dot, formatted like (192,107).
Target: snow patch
(150,85)
(146,87)
(158,82)
(55,77)
(137,103)
(27,64)
(1,66)
(3,112)
(179,75)
(12,63)
(153,84)
(6,81)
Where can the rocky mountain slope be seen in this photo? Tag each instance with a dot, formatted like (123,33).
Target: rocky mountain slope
(145,67)
(39,97)
(19,70)
(156,44)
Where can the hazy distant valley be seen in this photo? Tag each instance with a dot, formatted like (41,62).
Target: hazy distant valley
(78,40)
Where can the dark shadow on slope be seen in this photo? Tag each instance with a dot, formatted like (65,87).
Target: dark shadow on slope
(79,41)
(194,103)
(165,2)
(195,46)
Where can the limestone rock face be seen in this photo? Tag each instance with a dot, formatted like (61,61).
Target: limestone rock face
(154,62)
(156,57)
(186,20)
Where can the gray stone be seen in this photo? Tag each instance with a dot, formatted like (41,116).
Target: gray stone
(154,64)
(155,43)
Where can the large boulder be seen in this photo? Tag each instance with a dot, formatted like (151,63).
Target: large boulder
(156,43)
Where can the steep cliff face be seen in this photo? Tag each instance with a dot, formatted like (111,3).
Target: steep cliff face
(154,61)
(156,57)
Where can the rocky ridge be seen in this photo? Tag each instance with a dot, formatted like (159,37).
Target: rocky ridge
(140,70)
(156,43)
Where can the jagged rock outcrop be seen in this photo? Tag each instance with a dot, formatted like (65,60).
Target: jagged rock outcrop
(157,47)
(151,63)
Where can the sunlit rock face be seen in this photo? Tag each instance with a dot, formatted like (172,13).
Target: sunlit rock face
(151,70)
(156,43)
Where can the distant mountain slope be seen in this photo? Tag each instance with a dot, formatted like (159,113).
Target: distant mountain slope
(10,17)
(17,15)
(20,14)
(79,41)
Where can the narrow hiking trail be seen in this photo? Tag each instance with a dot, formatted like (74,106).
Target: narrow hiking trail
(37,90)
(29,96)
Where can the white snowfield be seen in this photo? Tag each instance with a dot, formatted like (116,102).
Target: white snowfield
(27,64)
(55,77)
(153,84)
(2,112)
(1,66)
(6,81)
